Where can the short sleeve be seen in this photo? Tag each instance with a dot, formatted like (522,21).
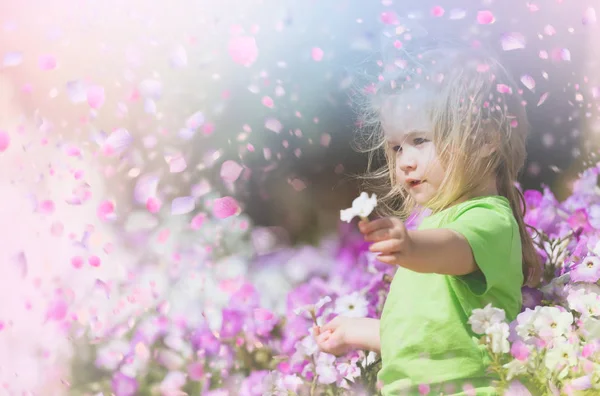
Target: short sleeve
(489,230)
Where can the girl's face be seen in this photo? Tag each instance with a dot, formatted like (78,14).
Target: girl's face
(408,133)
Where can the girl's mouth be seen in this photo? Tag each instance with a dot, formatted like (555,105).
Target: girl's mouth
(414,183)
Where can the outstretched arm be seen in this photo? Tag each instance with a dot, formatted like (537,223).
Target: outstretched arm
(439,251)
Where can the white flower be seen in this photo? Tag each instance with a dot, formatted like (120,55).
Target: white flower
(308,346)
(587,304)
(349,371)
(481,319)
(497,337)
(312,308)
(361,206)
(325,369)
(515,368)
(370,359)
(591,328)
(353,305)
(525,328)
(551,323)
(172,383)
(560,358)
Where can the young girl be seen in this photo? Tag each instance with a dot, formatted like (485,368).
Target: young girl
(453,129)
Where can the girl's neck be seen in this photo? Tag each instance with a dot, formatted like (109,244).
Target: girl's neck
(486,189)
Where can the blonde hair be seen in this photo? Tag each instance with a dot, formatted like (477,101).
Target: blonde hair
(480,129)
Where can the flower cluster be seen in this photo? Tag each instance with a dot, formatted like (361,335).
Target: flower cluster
(251,332)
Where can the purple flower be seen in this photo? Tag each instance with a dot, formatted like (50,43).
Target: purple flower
(253,384)
(541,209)
(123,385)
(588,270)
(203,339)
(579,219)
(245,298)
(531,297)
(233,322)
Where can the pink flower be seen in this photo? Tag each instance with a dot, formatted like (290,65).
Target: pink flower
(225,207)
(588,270)
(519,351)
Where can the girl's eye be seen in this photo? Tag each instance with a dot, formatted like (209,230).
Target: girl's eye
(418,141)
(397,149)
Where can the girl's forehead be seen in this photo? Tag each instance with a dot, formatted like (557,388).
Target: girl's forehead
(403,116)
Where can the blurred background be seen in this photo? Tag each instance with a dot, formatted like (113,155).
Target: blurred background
(104,104)
(269,83)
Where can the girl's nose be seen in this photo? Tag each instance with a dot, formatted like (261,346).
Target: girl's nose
(407,162)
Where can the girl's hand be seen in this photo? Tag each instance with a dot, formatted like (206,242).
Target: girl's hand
(333,337)
(392,239)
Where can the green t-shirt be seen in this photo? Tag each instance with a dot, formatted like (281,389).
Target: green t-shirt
(425,337)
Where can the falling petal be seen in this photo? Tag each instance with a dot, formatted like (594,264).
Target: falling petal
(77,262)
(225,207)
(528,81)
(182,205)
(103,287)
(151,89)
(513,41)
(145,188)
(589,16)
(268,102)
(197,221)
(389,18)
(153,205)
(149,106)
(118,141)
(47,62)
(95,96)
(94,261)
(243,50)
(106,211)
(178,57)
(177,164)
(186,133)
(230,171)
(57,309)
(485,17)
(503,88)
(46,207)
(273,124)
(325,139)
(298,184)
(317,54)
(21,263)
(201,188)
(4,141)
(549,30)
(12,59)
(437,11)
(76,91)
(195,120)
(543,98)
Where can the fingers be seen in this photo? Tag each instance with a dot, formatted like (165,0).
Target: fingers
(386,247)
(332,324)
(379,235)
(368,227)
(388,259)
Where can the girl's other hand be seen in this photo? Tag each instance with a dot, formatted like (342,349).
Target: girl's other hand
(332,338)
